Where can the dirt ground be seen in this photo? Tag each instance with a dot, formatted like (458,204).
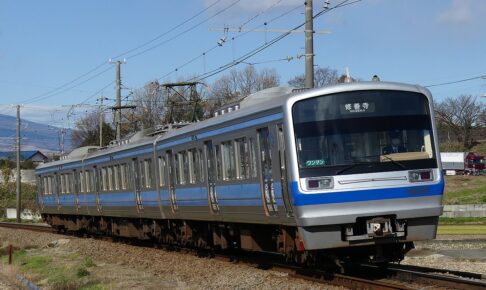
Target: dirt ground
(120,266)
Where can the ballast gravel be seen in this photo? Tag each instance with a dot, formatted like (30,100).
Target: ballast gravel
(156,268)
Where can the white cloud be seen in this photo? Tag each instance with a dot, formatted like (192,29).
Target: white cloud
(459,12)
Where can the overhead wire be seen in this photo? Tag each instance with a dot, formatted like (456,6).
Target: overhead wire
(185,31)
(268,44)
(54,91)
(455,82)
(234,38)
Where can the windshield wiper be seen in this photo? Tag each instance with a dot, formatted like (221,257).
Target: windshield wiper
(394,161)
(351,166)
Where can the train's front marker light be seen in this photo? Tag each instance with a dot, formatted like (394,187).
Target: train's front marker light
(420,175)
(320,183)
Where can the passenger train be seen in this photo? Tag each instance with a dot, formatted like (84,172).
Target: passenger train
(299,173)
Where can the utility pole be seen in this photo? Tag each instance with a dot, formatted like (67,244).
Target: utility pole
(18,165)
(102,119)
(117,107)
(309,45)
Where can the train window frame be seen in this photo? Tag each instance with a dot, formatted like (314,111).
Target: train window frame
(81,181)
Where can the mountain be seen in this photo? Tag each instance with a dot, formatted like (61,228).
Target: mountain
(35,136)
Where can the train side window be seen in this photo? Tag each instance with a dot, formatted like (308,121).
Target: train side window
(242,158)
(161,164)
(219,162)
(104,180)
(147,169)
(87,179)
(68,180)
(81,181)
(200,158)
(229,166)
(109,177)
(61,178)
(116,177)
(253,160)
(46,186)
(123,175)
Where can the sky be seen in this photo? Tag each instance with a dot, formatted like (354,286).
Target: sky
(55,54)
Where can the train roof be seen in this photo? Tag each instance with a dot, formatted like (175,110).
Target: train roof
(259,102)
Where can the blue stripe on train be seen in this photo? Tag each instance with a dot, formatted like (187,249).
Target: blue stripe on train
(227,195)
(300,198)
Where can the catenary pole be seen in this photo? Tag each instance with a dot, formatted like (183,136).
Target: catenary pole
(309,45)
(19,205)
(118,99)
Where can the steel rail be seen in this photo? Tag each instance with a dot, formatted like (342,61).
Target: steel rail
(31,227)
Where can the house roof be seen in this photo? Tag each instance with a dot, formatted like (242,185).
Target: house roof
(24,155)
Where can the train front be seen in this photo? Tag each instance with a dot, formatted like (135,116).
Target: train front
(365,168)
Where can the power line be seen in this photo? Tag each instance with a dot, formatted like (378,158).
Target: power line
(185,31)
(268,44)
(52,92)
(69,88)
(40,97)
(455,82)
(166,32)
(232,39)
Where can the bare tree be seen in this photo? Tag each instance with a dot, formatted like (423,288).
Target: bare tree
(87,131)
(150,103)
(322,76)
(459,118)
(238,84)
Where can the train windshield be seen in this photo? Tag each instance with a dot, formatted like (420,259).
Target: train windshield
(363,131)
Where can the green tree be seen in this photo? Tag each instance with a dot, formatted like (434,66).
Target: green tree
(87,131)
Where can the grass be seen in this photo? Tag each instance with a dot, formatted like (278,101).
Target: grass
(462,221)
(461,189)
(461,230)
(55,272)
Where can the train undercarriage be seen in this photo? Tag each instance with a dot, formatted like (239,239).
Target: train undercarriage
(281,241)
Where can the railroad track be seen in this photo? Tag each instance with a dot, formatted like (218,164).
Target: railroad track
(392,276)
(31,227)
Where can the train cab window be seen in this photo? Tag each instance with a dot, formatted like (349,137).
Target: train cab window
(229,166)
(242,159)
(147,164)
(161,164)
(123,175)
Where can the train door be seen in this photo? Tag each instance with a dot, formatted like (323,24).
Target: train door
(136,179)
(211,177)
(98,186)
(283,171)
(172,180)
(76,186)
(267,187)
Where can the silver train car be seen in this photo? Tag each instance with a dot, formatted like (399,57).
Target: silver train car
(348,171)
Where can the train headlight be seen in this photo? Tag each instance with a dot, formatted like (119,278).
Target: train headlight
(420,175)
(320,183)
